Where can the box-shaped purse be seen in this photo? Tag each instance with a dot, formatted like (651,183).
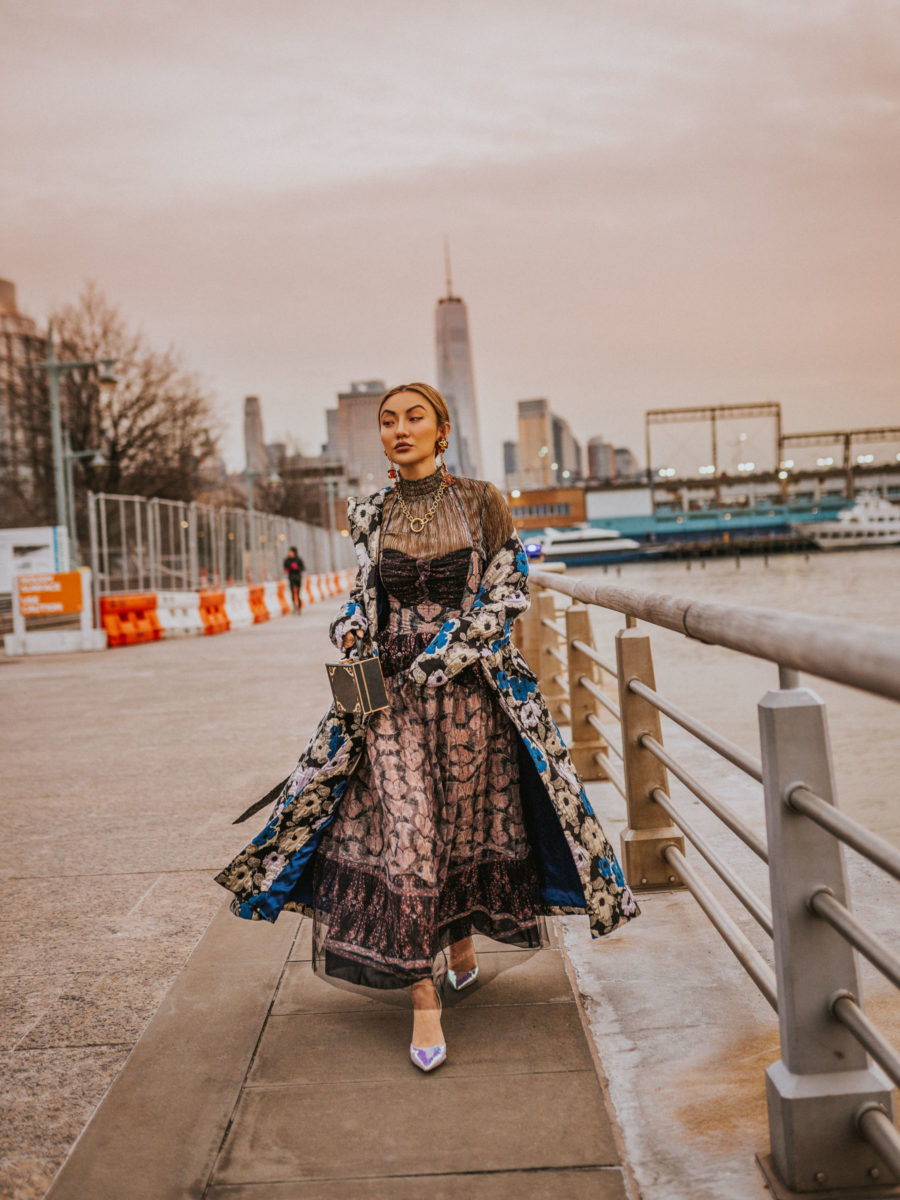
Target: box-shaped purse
(357,686)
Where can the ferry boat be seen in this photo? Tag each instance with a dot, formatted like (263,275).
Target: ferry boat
(871,521)
(583,545)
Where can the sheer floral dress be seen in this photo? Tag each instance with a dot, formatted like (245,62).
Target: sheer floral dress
(429,842)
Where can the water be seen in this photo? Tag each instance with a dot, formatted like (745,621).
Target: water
(722,687)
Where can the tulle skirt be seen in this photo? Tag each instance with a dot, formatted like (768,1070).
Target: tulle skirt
(429,843)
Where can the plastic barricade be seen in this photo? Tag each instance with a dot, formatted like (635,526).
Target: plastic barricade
(212,612)
(283,601)
(130,618)
(273,593)
(237,607)
(179,613)
(258,604)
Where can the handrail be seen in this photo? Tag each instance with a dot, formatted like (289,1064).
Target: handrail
(826,905)
(816,968)
(750,901)
(592,654)
(743,949)
(590,686)
(721,808)
(879,1131)
(870,845)
(735,755)
(863,656)
(848,1012)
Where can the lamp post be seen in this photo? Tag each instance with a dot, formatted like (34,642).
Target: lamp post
(55,370)
(249,475)
(69,455)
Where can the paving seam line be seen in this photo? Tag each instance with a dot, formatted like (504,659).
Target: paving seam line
(631,1183)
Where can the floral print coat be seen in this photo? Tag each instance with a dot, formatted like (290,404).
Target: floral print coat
(577,868)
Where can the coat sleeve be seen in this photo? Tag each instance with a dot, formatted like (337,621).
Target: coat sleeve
(352,614)
(482,632)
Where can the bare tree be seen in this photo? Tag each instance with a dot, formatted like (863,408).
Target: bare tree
(156,431)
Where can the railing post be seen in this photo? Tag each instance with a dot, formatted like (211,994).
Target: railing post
(824,1076)
(585,742)
(648,834)
(548,665)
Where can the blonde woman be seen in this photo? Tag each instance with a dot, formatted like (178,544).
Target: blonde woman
(455,810)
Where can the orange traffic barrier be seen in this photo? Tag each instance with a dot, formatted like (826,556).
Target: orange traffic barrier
(130,618)
(283,600)
(212,612)
(258,604)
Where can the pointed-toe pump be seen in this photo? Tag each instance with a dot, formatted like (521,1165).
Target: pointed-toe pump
(463,979)
(428,1058)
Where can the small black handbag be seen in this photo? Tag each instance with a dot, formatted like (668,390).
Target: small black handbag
(357,685)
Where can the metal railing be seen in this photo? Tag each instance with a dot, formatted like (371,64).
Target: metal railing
(830,1108)
(141,544)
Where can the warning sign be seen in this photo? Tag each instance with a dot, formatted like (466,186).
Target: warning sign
(40,595)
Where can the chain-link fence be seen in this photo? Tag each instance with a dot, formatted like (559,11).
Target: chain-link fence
(138,544)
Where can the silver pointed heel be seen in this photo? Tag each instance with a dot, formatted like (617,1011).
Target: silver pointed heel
(463,979)
(428,1058)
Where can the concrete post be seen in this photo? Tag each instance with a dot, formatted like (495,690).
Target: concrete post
(648,832)
(585,740)
(824,1076)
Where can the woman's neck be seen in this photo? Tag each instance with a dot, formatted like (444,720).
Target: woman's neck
(419,470)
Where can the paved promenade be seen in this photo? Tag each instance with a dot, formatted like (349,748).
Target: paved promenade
(221,1066)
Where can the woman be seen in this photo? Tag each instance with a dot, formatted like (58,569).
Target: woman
(456,809)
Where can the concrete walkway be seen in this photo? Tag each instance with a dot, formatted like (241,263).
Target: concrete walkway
(257,1079)
(184,1052)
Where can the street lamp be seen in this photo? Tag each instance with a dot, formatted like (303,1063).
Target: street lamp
(97,460)
(55,370)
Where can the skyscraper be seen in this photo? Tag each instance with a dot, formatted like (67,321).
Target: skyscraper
(456,380)
(356,434)
(254,444)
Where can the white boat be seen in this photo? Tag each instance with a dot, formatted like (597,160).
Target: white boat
(582,544)
(871,521)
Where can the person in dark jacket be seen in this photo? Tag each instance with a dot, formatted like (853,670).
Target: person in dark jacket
(294,568)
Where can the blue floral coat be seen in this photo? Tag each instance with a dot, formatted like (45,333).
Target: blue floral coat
(577,869)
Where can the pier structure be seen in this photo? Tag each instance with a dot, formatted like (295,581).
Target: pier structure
(158,1047)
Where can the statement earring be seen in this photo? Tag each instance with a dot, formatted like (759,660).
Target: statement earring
(392,470)
(446,477)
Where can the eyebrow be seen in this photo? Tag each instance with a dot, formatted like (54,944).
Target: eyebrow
(389,412)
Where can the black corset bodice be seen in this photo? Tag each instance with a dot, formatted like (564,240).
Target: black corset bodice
(422,593)
(413,581)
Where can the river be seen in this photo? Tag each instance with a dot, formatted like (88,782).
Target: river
(722,687)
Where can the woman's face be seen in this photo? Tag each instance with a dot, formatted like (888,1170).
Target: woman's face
(409,433)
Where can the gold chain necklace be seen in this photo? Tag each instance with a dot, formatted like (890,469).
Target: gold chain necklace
(417,524)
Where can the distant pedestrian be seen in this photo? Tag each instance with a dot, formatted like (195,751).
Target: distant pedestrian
(455,810)
(294,568)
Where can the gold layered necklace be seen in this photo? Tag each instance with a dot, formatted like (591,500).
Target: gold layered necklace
(417,524)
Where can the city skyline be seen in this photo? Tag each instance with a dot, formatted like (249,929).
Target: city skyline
(646,208)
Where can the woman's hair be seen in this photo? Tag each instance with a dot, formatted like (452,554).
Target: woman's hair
(427,392)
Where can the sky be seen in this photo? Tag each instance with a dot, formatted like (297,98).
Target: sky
(648,204)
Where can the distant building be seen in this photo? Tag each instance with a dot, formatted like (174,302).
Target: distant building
(566,463)
(549,453)
(25,457)
(535,443)
(330,448)
(456,382)
(356,435)
(626,464)
(255,457)
(601,460)
(538,508)
(511,463)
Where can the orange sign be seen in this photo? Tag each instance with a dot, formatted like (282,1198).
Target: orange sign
(58,593)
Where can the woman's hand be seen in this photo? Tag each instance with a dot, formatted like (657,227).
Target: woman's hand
(349,639)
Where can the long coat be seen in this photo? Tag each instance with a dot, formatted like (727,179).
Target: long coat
(577,869)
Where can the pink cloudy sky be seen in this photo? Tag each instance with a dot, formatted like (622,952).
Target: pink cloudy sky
(648,204)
